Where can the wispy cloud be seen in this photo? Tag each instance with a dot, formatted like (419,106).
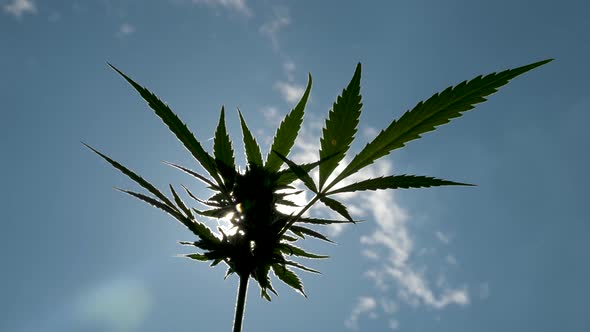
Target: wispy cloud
(442,237)
(19,7)
(366,305)
(271,115)
(271,28)
(451,260)
(237,6)
(289,68)
(126,29)
(396,268)
(291,92)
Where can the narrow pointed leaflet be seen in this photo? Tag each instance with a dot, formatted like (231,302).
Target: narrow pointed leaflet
(133,176)
(180,203)
(336,206)
(299,172)
(196,175)
(306,231)
(253,154)
(224,153)
(396,182)
(176,126)
(287,132)
(288,277)
(200,230)
(340,126)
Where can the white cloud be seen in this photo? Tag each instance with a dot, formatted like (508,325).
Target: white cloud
(416,291)
(126,29)
(19,7)
(238,6)
(370,254)
(451,260)
(289,68)
(442,237)
(365,305)
(392,236)
(393,324)
(291,92)
(271,29)
(271,115)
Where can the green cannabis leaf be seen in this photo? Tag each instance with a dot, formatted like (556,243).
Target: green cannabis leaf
(341,126)
(261,237)
(287,132)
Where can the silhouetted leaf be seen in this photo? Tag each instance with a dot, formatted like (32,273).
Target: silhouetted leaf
(287,176)
(224,154)
(200,230)
(396,182)
(261,276)
(340,126)
(319,221)
(196,175)
(288,277)
(264,293)
(154,202)
(229,272)
(287,132)
(289,238)
(290,249)
(180,203)
(299,172)
(202,244)
(285,194)
(176,126)
(215,213)
(310,232)
(286,202)
(216,262)
(253,154)
(301,267)
(426,116)
(202,201)
(198,257)
(148,186)
(336,206)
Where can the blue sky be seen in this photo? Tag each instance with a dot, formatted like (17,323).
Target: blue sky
(508,255)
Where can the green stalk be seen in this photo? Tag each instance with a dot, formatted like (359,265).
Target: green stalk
(241,303)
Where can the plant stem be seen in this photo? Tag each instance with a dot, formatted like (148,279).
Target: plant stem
(241,302)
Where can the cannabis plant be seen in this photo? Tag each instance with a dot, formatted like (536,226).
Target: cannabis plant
(261,238)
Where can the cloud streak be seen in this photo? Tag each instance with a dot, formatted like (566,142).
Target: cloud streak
(237,6)
(271,28)
(126,29)
(365,306)
(291,92)
(19,7)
